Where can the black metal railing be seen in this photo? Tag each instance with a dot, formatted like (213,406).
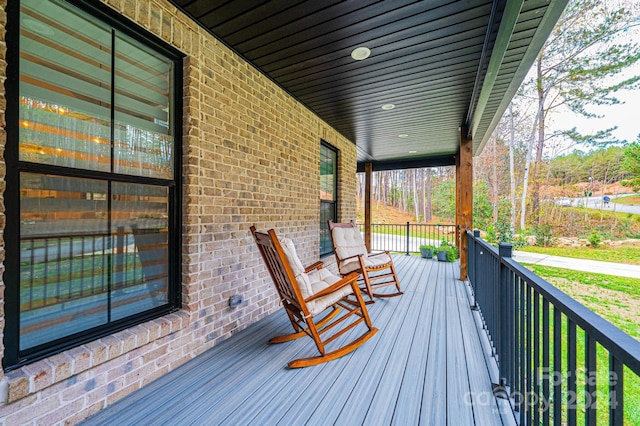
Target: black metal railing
(559,362)
(55,270)
(407,238)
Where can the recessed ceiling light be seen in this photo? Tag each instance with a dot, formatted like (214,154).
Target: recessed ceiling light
(412,152)
(403,135)
(387,107)
(360,53)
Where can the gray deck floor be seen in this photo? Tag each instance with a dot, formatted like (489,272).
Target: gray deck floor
(426,365)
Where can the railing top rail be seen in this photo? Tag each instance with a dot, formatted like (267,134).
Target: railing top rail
(97,234)
(412,224)
(620,344)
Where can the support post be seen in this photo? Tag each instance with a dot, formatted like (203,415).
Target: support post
(458,206)
(368,176)
(464,173)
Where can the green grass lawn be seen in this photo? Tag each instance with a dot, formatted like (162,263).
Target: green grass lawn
(616,299)
(629,254)
(630,199)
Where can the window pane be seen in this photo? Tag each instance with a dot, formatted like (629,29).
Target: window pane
(141,252)
(327,173)
(93,246)
(65,90)
(143,133)
(64,249)
(327,212)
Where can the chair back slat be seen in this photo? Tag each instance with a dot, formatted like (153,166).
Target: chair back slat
(279,268)
(152,247)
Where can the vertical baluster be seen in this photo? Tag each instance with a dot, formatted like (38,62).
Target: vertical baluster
(528,352)
(70,273)
(83,254)
(535,388)
(395,235)
(482,278)
(520,346)
(398,240)
(590,380)
(513,284)
(546,367)
(32,268)
(507,357)
(498,295)
(408,237)
(389,232)
(58,276)
(119,268)
(571,372)
(106,263)
(516,340)
(93,266)
(490,301)
(473,248)
(489,296)
(616,386)
(523,350)
(45,281)
(557,366)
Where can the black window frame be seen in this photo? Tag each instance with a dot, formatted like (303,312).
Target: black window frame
(13,357)
(324,227)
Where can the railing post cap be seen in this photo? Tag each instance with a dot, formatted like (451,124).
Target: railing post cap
(505,249)
(476,232)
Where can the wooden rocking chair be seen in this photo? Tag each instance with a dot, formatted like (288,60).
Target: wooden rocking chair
(152,248)
(351,256)
(308,292)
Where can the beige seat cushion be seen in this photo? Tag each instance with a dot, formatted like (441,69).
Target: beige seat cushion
(321,279)
(314,281)
(348,242)
(370,261)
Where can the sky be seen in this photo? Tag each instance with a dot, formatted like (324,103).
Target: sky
(625,115)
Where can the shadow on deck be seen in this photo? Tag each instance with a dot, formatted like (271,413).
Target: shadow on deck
(427,365)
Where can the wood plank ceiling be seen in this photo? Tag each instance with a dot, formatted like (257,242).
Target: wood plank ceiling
(442,64)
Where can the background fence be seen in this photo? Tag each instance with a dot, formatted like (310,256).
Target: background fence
(407,238)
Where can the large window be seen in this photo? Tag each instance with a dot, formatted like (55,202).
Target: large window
(93,178)
(328,194)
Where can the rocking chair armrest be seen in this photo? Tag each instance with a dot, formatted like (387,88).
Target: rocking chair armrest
(379,253)
(317,265)
(355,256)
(345,281)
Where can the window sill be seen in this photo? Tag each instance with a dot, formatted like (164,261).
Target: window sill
(35,377)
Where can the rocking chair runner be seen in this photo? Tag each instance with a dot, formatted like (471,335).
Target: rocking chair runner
(306,293)
(377,269)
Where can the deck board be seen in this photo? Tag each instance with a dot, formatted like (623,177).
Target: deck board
(425,366)
(407,409)
(484,406)
(458,386)
(389,387)
(434,399)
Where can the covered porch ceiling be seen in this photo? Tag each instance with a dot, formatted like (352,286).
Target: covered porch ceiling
(443,64)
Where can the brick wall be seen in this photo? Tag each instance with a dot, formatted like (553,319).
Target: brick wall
(251,155)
